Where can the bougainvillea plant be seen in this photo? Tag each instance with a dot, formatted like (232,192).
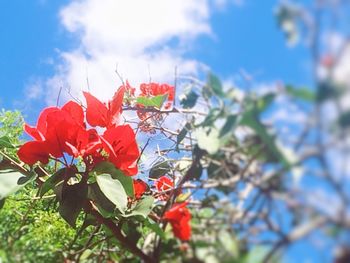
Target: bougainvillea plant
(211,175)
(145,190)
(97,155)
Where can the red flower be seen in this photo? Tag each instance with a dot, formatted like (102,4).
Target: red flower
(163,184)
(87,142)
(56,128)
(179,217)
(155,89)
(150,90)
(104,115)
(119,142)
(140,187)
(62,130)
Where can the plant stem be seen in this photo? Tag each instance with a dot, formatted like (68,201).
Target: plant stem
(120,237)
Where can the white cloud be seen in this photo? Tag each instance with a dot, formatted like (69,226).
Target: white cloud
(144,38)
(120,25)
(34,89)
(221,4)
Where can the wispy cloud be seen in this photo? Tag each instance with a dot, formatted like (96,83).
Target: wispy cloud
(144,38)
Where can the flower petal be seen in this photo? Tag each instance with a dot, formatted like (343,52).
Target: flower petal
(123,150)
(115,106)
(140,187)
(75,110)
(96,111)
(32,152)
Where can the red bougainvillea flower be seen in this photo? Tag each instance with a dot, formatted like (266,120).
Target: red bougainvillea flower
(87,142)
(120,143)
(62,129)
(101,114)
(140,187)
(163,184)
(179,217)
(56,128)
(151,90)
(155,89)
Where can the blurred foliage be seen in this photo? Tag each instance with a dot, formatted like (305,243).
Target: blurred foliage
(11,125)
(11,128)
(32,231)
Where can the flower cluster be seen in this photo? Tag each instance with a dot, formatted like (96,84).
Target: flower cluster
(155,89)
(152,90)
(178,215)
(63,131)
(95,133)
(163,185)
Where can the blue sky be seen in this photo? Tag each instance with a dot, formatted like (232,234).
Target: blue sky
(244,37)
(30,32)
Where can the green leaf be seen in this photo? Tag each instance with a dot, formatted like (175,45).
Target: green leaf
(211,200)
(72,200)
(212,116)
(143,207)
(208,139)
(155,227)
(26,179)
(5,142)
(328,90)
(215,84)
(8,182)
(52,181)
(2,202)
(182,197)
(105,207)
(131,230)
(229,125)
(229,243)
(250,119)
(301,93)
(159,169)
(85,255)
(257,254)
(109,168)
(189,99)
(113,190)
(156,101)
(195,171)
(264,102)
(206,212)
(183,133)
